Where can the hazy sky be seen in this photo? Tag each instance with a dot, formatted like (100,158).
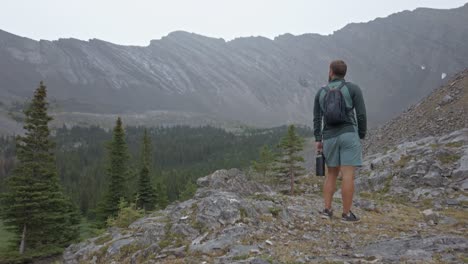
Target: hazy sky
(138,21)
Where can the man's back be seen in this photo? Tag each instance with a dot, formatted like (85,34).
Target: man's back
(359,118)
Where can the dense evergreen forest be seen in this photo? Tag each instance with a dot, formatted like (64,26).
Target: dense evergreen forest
(51,179)
(180,155)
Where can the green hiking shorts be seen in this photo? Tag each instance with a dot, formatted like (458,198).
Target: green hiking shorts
(343,150)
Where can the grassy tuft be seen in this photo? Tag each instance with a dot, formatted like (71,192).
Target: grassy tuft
(448,158)
(103,239)
(454,144)
(274,211)
(404,159)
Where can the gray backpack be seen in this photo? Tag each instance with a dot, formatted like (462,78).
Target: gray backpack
(334,106)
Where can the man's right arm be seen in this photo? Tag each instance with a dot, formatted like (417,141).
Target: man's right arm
(361,115)
(317,118)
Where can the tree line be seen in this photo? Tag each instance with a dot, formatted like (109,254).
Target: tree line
(48,181)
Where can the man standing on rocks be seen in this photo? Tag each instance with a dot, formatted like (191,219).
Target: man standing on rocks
(339,123)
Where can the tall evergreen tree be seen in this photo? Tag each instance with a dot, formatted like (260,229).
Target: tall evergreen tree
(146,194)
(117,172)
(288,163)
(146,149)
(265,162)
(34,206)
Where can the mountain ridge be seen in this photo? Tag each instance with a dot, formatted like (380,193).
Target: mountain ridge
(254,80)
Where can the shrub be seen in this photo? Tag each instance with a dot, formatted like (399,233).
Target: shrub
(128,213)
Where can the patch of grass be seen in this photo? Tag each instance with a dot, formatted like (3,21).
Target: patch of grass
(171,238)
(403,161)
(365,173)
(448,158)
(101,253)
(103,239)
(263,197)
(365,195)
(387,185)
(454,144)
(266,218)
(243,213)
(427,203)
(241,257)
(202,228)
(274,211)
(127,250)
(434,146)
(270,259)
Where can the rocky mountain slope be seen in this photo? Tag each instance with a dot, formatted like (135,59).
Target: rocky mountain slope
(256,80)
(234,220)
(443,111)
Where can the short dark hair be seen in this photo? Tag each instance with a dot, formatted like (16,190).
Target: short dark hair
(339,68)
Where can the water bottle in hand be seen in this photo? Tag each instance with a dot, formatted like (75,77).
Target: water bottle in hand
(320,164)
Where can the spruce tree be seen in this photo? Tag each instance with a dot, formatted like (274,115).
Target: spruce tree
(34,206)
(117,171)
(288,163)
(265,162)
(161,195)
(146,195)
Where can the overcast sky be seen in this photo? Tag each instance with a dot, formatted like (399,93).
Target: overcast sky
(138,21)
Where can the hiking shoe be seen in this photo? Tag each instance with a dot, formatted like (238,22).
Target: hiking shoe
(326,214)
(349,218)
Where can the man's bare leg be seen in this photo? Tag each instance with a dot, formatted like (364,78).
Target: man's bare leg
(329,187)
(347,187)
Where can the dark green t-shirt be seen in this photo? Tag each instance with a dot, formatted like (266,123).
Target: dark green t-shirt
(358,119)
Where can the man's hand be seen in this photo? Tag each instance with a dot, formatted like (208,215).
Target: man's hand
(318,145)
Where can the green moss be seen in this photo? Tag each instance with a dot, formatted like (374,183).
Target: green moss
(448,158)
(454,144)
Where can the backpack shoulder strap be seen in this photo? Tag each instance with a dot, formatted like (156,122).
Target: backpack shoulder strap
(322,92)
(341,85)
(347,95)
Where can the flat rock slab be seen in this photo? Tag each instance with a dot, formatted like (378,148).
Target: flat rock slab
(415,248)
